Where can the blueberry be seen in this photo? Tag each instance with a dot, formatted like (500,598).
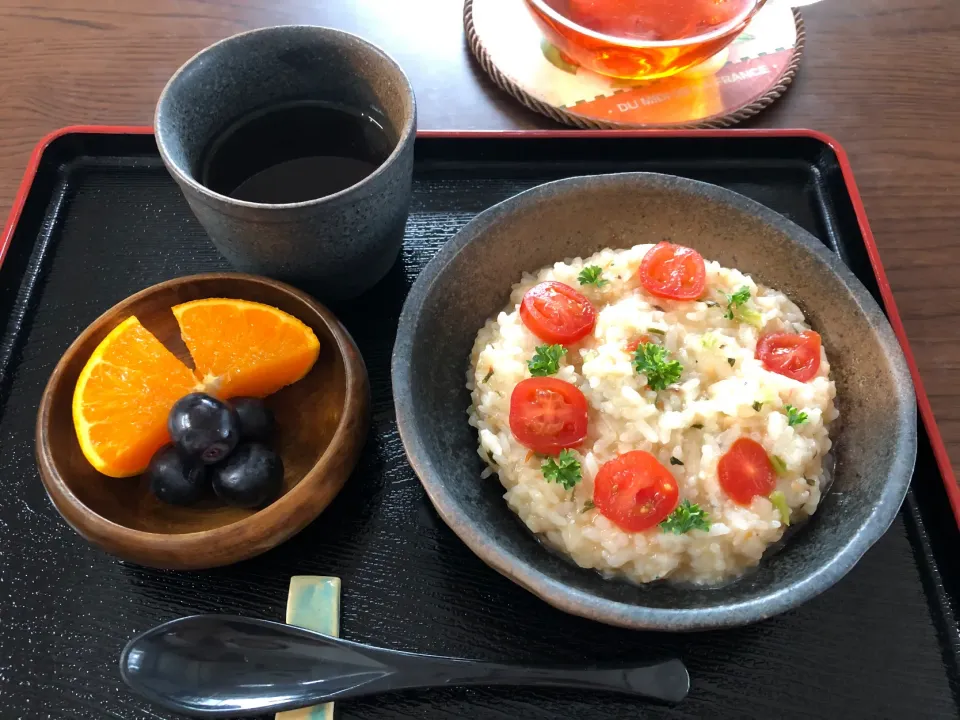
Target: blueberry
(252,476)
(174,479)
(256,420)
(202,427)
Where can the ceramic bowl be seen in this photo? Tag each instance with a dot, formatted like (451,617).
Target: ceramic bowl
(469,281)
(322,422)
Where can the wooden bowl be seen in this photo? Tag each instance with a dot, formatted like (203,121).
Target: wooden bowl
(322,422)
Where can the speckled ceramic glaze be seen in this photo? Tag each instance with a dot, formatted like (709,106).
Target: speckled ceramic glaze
(469,281)
(342,243)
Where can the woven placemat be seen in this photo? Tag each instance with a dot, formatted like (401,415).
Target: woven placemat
(734,85)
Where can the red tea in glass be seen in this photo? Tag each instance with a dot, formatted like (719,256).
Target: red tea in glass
(641,39)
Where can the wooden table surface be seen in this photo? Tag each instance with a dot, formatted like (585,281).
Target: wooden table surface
(878,75)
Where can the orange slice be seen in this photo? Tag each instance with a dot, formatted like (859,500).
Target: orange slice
(122,399)
(245,348)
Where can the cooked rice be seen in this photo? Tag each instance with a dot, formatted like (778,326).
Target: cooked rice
(624,416)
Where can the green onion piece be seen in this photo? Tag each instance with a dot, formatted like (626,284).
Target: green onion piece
(779,501)
(751,317)
(779,466)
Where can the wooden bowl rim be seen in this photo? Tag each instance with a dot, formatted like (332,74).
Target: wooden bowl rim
(270,519)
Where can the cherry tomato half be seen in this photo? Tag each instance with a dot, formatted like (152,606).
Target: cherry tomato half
(794,356)
(745,471)
(673,271)
(548,415)
(634,491)
(557,313)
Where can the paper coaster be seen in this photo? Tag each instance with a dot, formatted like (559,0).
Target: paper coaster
(735,84)
(313,602)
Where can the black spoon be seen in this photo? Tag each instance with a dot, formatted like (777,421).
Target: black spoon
(228,666)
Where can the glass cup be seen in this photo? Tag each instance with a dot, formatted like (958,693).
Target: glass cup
(641,39)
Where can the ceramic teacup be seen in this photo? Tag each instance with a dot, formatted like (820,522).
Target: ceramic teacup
(340,244)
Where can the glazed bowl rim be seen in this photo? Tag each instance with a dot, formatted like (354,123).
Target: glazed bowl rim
(579,602)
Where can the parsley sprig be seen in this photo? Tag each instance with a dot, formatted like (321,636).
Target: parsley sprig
(737,310)
(794,416)
(546,360)
(590,275)
(654,361)
(734,301)
(564,469)
(685,517)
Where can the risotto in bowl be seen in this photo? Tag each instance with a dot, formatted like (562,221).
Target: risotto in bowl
(651,415)
(680,410)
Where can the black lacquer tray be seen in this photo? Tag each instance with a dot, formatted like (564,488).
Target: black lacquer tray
(98,218)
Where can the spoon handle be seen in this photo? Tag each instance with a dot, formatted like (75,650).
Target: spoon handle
(666,681)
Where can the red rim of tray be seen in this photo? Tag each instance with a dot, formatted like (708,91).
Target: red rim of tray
(893,314)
